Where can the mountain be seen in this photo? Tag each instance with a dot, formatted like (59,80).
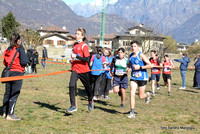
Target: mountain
(34,13)
(188,31)
(161,15)
(90,9)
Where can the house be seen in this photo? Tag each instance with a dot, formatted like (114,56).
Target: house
(55,36)
(108,40)
(91,40)
(149,39)
(182,46)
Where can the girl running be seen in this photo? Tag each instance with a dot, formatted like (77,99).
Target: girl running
(155,71)
(96,63)
(138,63)
(167,66)
(120,80)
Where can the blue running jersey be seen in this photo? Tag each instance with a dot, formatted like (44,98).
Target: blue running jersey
(140,74)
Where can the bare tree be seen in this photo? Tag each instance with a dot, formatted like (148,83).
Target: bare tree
(32,38)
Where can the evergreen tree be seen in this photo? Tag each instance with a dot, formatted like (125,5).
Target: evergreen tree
(9,25)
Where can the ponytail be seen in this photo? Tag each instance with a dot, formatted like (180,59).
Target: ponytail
(13,39)
(99,52)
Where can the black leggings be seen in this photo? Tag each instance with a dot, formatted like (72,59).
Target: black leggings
(95,83)
(85,79)
(33,68)
(11,94)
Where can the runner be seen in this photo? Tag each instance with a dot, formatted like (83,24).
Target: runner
(138,63)
(96,63)
(167,66)
(155,71)
(120,80)
(80,70)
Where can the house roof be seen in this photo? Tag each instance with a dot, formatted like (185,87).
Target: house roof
(55,34)
(107,36)
(152,35)
(90,38)
(145,29)
(53,29)
(72,36)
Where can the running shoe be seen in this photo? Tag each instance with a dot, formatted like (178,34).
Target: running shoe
(153,95)
(122,106)
(158,88)
(182,88)
(71,109)
(132,115)
(169,93)
(12,117)
(107,97)
(95,98)
(91,106)
(101,97)
(147,99)
(4,115)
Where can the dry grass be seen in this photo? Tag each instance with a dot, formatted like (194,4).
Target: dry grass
(43,101)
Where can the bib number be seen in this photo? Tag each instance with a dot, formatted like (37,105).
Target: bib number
(154,70)
(137,74)
(119,72)
(166,69)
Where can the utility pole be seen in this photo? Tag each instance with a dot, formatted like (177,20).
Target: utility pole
(103,19)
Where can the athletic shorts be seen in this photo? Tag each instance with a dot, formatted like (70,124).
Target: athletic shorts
(140,83)
(121,81)
(166,76)
(155,76)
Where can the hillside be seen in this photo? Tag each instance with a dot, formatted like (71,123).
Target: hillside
(33,14)
(160,15)
(189,31)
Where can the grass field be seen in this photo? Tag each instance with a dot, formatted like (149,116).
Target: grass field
(43,102)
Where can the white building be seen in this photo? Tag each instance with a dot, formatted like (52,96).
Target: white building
(55,36)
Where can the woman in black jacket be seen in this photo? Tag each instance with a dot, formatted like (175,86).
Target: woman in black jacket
(13,87)
(34,61)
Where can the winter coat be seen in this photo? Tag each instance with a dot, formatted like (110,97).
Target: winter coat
(184,63)
(197,64)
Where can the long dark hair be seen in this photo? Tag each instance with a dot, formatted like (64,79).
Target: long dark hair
(13,39)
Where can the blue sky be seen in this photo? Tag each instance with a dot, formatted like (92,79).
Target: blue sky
(77,1)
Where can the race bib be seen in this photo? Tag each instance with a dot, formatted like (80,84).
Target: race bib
(166,69)
(119,72)
(137,74)
(154,70)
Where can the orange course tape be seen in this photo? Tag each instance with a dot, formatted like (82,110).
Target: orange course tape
(5,79)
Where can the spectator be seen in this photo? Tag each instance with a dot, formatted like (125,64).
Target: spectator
(29,56)
(44,57)
(183,68)
(13,87)
(34,61)
(197,73)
